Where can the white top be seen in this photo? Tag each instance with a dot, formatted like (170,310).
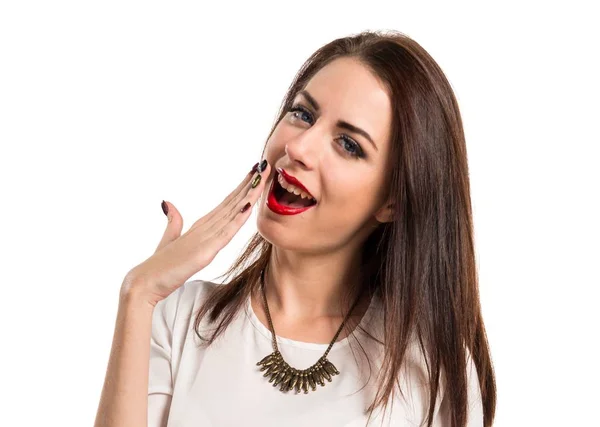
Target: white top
(220,385)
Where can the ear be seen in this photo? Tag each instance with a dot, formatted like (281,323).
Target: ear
(385,213)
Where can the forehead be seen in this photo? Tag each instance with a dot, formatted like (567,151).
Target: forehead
(347,90)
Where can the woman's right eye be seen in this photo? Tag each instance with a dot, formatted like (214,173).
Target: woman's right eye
(298,111)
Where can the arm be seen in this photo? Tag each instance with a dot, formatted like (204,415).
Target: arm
(124,399)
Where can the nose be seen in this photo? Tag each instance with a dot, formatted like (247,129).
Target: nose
(296,156)
(304,149)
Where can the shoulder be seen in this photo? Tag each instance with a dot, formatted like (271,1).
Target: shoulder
(442,414)
(412,402)
(170,322)
(183,301)
(196,291)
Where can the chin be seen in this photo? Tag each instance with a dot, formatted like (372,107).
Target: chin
(284,235)
(275,232)
(278,227)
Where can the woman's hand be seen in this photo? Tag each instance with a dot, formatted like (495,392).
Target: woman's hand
(178,257)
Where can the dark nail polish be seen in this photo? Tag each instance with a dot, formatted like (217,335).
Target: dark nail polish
(165,207)
(256,181)
(254,168)
(245,208)
(263,166)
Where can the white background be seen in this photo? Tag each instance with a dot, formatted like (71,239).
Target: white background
(106,108)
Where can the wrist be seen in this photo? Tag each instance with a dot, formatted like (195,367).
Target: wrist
(135,293)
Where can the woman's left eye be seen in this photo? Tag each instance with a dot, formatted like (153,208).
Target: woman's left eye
(350,146)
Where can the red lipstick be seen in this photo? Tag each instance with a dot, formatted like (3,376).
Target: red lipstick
(293,181)
(277,207)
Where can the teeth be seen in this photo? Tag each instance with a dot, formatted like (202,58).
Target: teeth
(293,189)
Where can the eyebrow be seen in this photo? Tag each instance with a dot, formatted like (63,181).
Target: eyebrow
(340,123)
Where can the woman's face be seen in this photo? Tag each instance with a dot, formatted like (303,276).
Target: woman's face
(343,169)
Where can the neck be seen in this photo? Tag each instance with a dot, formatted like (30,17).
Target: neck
(306,286)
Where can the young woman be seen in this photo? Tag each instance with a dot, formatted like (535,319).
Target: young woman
(356,302)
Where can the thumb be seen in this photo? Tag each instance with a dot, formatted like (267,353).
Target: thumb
(174,225)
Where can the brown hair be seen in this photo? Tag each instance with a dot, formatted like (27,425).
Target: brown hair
(422,264)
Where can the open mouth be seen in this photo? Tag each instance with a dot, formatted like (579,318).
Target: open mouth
(288,199)
(288,195)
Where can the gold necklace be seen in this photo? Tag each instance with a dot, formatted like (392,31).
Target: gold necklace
(288,378)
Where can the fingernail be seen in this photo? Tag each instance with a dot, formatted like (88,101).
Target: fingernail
(263,166)
(165,207)
(245,208)
(256,181)
(254,168)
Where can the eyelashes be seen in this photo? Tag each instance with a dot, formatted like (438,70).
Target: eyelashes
(300,109)
(350,146)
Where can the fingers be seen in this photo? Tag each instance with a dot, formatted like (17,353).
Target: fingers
(241,210)
(239,189)
(230,220)
(255,187)
(174,225)
(226,210)
(218,210)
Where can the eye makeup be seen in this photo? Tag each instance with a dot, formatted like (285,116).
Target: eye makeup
(346,141)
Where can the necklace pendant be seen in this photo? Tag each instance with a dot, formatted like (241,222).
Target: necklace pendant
(287,378)
(283,375)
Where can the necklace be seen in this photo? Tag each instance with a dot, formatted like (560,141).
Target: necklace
(288,378)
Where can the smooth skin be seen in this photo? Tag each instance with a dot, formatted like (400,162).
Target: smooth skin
(314,253)
(178,257)
(124,399)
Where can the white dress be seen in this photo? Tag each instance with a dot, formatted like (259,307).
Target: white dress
(220,385)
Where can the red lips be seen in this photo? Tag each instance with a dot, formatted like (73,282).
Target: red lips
(293,181)
(278,208)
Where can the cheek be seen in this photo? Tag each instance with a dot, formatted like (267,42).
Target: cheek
(281,133)
(349,193)
(275,147)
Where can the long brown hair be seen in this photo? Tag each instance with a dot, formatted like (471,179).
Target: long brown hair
(422,264)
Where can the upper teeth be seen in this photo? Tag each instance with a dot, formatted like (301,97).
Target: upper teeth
(293,189)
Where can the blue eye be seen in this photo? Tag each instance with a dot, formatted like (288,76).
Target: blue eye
(350,146)
(299,109)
